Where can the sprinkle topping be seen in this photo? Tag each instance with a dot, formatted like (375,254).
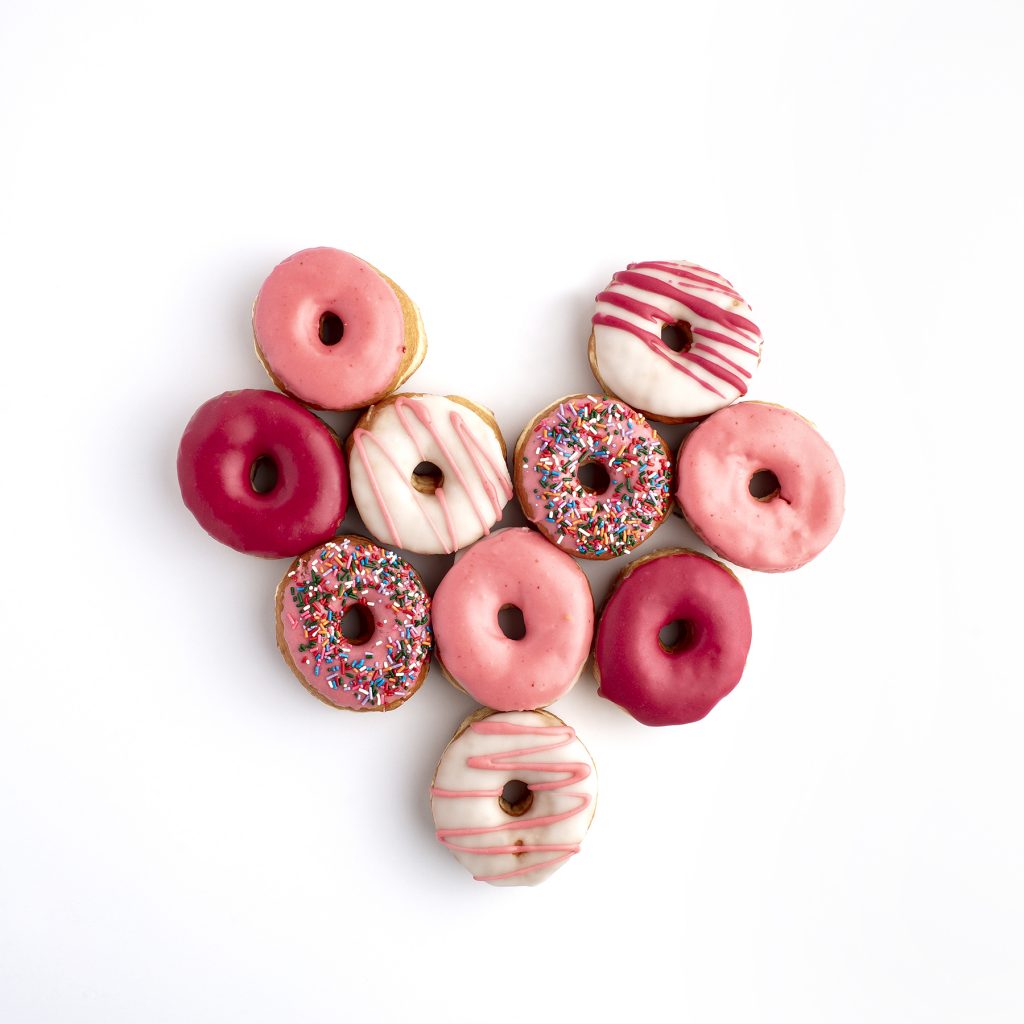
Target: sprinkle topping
(324,585)
(591,429)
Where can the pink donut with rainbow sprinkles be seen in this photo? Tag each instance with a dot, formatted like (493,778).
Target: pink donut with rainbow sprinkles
(674,340)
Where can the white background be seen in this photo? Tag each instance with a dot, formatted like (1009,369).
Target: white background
(185,834)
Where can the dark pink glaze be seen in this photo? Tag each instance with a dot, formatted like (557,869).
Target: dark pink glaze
(659,687)
(222,441)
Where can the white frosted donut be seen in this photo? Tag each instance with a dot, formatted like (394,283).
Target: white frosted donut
(466,490)
(485,766)
(721,350)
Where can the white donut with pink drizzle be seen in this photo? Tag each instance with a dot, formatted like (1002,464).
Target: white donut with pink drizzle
(446,506)
(513,795)
(721,344)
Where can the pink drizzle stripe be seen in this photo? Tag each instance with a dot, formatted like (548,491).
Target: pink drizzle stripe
(698,347)
(702,307)
(724,339)
(573,772)
(469,442)
(655,344)
(722,286)
(634,306)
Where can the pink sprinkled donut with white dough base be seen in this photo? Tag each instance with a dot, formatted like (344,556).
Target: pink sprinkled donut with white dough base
(608,513)
(723,462)
(513,568)
(428,472)
(334,332)
(721,345)
(353,624)
(513,795)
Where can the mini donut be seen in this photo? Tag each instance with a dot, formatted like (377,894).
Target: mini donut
(334,332)
(383,665)
(681,682)
(721,345)
(513,568)
(774,532)
(428,472)
(227,447)
(513,795)
(603,518)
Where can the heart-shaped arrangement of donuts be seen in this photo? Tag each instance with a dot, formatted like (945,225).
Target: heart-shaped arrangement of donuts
(514,790)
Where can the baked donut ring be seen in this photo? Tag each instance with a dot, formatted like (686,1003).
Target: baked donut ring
(720,466)
(513,795)
(428,472)
(334,332)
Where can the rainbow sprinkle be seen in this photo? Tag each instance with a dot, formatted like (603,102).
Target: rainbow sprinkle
(591,429)
(344,573)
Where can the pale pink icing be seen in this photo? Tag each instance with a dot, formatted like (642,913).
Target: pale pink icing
(511,764)
(514,567)
(286,321)
(716,463)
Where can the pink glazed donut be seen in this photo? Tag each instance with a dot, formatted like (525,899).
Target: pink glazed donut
(261,474)
(794,515)
(334,332)
(513,568)
(681,680)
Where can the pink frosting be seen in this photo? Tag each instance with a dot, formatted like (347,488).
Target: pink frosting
(218,448)
(514,567)
(377,672)
(716,464)
(673,687)
(364,364)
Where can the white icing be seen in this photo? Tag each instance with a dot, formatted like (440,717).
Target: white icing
(454,774)
(643,378)
(475,488)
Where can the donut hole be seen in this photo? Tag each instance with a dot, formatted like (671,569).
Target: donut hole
(427,477)
(332,328)
(263,474)
(593,477)
(516,798)
(357,624)
(678,336)
(511,621)
(764,485)
(677,636)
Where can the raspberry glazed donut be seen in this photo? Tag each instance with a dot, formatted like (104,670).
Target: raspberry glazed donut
(428,472)
(593,475)
(334,332)
(721,345)
(513,568)
(353,623)
(673,637)
(761,487)
(261,474)
(513,795)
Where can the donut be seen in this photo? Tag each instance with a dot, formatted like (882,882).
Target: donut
(773,527)
(513,795)
(334,332)
(672,680)
(378,662)
(428,472)
(261,474)
(718,345)
(621,504)
(513,568)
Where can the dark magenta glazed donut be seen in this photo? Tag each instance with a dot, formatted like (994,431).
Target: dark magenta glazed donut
(262,474)
(680,681)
